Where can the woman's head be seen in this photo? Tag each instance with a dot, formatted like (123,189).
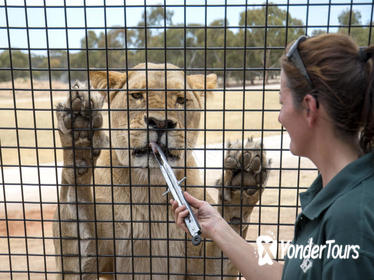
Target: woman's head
(339,78)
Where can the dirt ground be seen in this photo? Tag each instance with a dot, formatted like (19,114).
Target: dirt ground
(26,247)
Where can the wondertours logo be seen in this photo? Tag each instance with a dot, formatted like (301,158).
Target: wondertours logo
(267,249)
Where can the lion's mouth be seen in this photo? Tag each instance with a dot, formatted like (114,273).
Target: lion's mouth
(144,151)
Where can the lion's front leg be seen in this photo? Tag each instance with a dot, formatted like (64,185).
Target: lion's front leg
(245,174)
(78,124)
(240,188)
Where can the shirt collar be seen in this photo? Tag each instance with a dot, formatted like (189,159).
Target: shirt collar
(316,199)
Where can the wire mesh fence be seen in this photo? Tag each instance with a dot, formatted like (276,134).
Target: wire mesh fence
(80,192)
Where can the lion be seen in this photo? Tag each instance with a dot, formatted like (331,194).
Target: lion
(112,220)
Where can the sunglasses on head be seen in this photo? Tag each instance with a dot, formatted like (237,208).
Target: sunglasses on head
(294,56)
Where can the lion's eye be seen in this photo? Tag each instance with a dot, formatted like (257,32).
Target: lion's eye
(137,95)
(181,100)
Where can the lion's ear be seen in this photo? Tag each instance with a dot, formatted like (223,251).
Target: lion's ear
(198,81)
(100,79)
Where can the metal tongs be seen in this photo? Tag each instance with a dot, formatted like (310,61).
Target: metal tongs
(175,189)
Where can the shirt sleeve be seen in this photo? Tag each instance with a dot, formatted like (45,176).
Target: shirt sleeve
(362,268)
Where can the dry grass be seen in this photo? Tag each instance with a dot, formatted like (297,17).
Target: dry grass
(278,205)
(37,139)
(238,112)
(33,118)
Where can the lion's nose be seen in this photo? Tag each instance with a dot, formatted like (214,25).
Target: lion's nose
(159,124)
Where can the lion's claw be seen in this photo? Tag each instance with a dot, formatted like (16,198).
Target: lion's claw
(245,169)
(79,120)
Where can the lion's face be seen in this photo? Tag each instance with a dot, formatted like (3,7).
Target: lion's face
(153,105)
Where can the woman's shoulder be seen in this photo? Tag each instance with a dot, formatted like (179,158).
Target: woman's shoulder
(355,203)
(351,217)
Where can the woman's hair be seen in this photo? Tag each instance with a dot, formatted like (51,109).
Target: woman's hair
(342,80)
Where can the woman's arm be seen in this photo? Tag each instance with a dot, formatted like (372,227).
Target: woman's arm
(242,254)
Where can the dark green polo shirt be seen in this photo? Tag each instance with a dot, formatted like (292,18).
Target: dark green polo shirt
(334,234)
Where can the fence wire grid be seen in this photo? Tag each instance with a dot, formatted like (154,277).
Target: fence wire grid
(47,45)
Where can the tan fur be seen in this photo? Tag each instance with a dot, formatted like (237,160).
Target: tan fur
(123,218)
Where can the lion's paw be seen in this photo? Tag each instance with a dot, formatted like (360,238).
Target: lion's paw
(79,122)
(245,169)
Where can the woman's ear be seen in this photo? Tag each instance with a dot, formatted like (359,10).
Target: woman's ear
(112,81)
(311,107)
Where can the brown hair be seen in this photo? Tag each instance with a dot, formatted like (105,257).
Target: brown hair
(342,78)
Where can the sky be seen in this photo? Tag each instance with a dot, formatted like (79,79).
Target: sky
(56,18)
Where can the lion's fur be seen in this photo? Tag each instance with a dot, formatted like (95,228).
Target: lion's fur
(125,219)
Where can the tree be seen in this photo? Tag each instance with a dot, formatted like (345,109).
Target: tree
(149,34)
(19,59)
(266,36)
(351,24)
(104,49)
(256,46)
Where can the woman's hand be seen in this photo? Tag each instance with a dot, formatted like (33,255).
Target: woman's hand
(242,254)
(207,216)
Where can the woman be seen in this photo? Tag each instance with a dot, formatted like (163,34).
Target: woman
(326,95)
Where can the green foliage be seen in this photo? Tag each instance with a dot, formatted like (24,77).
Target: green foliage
(265,27)
(244,53)
(18,61)
(351,24)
